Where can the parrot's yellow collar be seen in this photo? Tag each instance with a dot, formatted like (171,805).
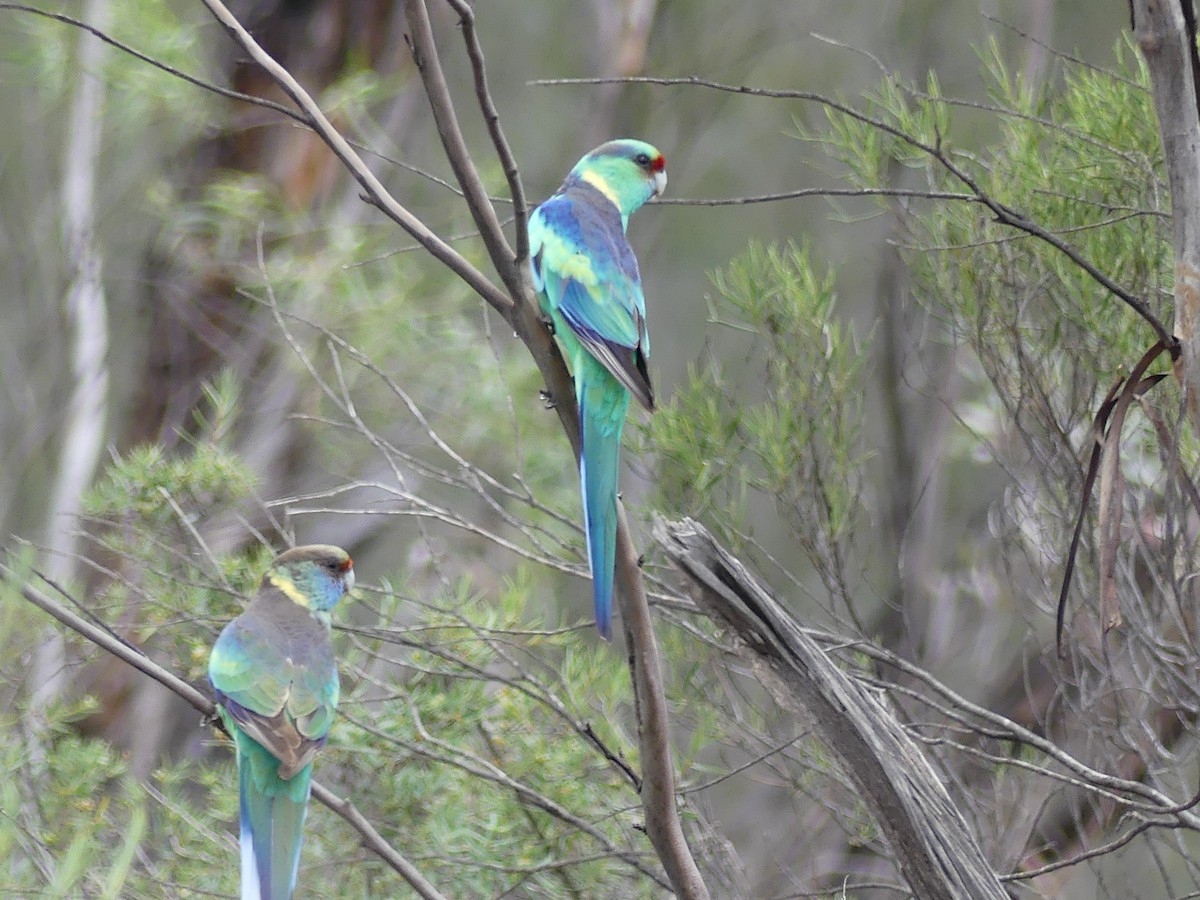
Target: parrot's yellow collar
(288,587)
(596,180)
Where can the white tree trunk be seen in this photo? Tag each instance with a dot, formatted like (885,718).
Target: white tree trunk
(86,322)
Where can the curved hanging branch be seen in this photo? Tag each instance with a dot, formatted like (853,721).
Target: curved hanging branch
(1106,437)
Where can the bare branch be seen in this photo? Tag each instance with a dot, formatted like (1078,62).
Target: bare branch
(374,841)
(466,17)
(817,192)
(425,57)
(654,724)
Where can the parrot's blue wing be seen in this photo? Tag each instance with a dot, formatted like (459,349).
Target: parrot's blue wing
(590,278)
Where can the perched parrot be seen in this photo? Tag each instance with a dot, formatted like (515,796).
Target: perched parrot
(276,683)
(587,280)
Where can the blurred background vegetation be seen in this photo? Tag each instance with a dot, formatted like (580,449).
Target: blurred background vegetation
(881,403)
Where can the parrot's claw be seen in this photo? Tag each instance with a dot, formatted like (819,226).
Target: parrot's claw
(642,561)
(547,398)
(548,322)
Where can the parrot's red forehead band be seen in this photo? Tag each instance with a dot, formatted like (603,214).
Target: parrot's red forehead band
(658,163)
(347,565)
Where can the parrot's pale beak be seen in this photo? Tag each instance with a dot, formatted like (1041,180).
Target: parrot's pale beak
(348,580)
(660,183)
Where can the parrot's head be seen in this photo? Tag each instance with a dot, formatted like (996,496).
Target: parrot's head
(627,171)
(320,573)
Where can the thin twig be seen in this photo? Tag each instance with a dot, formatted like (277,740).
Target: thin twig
(1004,214)
(487,106)
(817,192)
(162,66)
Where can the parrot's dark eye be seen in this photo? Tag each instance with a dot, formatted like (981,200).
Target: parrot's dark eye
(642,159)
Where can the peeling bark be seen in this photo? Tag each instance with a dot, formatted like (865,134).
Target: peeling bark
(937,854)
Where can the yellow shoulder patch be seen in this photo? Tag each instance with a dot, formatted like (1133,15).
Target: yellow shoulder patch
(576,267)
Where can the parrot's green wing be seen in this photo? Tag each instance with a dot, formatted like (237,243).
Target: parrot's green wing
(274,670)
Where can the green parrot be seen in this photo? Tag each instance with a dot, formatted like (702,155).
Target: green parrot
(588,283)
(276,684)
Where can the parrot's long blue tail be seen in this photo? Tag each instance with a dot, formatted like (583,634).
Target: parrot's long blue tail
(272,822)
(602,407)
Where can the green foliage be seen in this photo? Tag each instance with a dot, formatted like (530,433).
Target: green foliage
(455,760)
(1078,160)
(75,824)
(793,436)
(138,483)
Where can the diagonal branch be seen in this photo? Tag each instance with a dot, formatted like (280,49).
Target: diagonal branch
(377,194)
(105,639)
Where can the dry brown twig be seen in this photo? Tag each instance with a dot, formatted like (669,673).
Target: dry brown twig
(936,851)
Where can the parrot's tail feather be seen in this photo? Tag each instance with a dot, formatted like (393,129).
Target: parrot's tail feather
(272,823)
(250,889)
(601,418)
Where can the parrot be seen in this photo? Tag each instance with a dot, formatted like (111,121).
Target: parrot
(276,683)
(590,292)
